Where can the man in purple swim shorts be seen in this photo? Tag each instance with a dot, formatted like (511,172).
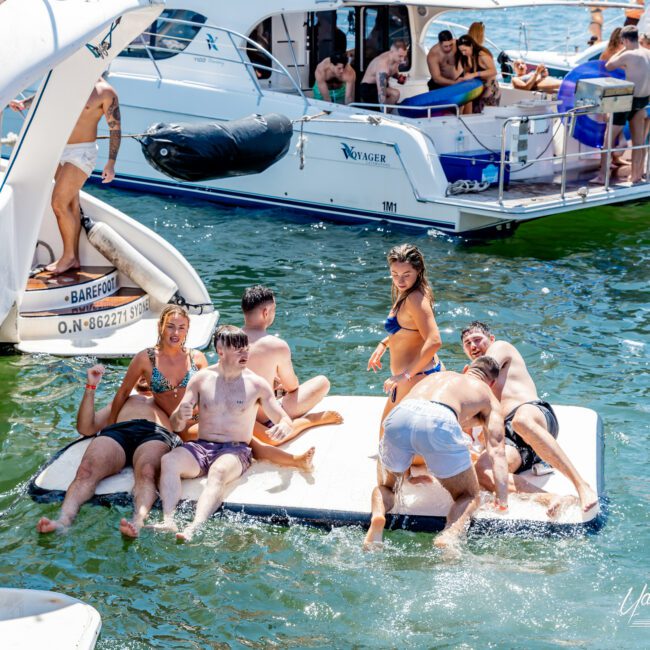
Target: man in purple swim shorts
(227,394)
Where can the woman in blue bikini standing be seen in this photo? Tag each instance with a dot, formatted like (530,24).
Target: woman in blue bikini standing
(413,336)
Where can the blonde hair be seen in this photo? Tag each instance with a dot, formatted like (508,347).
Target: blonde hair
(169,312)
(477,32)
(409,254)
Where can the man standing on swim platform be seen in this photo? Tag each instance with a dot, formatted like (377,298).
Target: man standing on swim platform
(77,164)
(429,422)
(531,426)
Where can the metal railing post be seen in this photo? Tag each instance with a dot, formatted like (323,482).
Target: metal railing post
(608,154)
(567,129)
(293,53)
(502,162)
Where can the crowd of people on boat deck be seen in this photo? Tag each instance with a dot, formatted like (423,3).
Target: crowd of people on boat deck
(175,417)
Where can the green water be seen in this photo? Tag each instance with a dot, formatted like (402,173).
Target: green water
(571,291)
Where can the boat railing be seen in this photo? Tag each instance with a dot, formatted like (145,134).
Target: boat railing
(567,121)
(429,108)
(239,43)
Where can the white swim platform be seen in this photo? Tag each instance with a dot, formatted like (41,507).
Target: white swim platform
(338,491)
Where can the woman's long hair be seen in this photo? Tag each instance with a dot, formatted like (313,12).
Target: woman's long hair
(469,64)
(409,254)
(168,312)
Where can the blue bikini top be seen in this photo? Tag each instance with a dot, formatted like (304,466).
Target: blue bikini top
(392,326)
(160,383)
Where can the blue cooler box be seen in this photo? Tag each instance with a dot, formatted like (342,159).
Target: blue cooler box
(478,165)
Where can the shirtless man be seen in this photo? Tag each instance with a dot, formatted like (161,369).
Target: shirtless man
(227,395)
(335,79)
(441,60)
(530,424)
(140,437)
(77,163)
(536,80)
(374,87)
(270,357)
(429,422)
(635,61)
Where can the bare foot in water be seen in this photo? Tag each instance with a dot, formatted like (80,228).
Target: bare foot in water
(46,525)
(128,528)
(588,498)
(62,265)
(165,526)
(449,545)
(557,505)
(186,535)
(374,540)
(305,462)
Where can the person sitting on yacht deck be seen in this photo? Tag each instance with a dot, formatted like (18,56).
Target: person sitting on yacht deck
(531,424)
(270,357)
(635,61)
(374,87)
(441,61)
(428,422)
(335,80)
(477,62)
(538,79)
(140,437)
(227,395)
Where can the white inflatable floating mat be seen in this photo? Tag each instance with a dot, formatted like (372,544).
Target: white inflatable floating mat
(30,618)
(338,491)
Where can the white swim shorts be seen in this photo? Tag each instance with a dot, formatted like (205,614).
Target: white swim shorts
(82,155)
(430,429)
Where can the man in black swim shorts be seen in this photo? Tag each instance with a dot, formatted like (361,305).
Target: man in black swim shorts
(140,438)
(531,426)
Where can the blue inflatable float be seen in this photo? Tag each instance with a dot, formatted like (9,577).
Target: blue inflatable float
(459,94)
(587,130)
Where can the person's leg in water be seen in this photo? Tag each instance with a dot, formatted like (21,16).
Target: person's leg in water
(223,471)
(382,500)
(464,490)
(174,466)
(146,469)
(68,181)
(104,457)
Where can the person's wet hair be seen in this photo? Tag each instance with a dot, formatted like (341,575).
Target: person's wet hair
(409,254)
(230,336)
(339,58)
(255,296)
(487,366)
(476,325)
(444,36)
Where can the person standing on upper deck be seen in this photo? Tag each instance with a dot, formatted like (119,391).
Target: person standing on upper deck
(413,335)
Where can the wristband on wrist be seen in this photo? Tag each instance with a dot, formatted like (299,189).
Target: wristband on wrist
(91,387)
(406,375)
(382,343)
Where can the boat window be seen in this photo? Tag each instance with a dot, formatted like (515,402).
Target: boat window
(167,38)
(328,36)
(263,36)
(382,26)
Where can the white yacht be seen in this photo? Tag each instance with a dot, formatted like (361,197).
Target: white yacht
(109,307)
(216,61)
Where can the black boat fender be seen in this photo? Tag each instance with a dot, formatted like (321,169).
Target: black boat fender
(207,150)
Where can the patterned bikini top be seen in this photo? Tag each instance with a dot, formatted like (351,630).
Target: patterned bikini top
(160,383)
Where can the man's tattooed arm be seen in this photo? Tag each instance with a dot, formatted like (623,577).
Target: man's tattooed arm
(382,82)
(115,127)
